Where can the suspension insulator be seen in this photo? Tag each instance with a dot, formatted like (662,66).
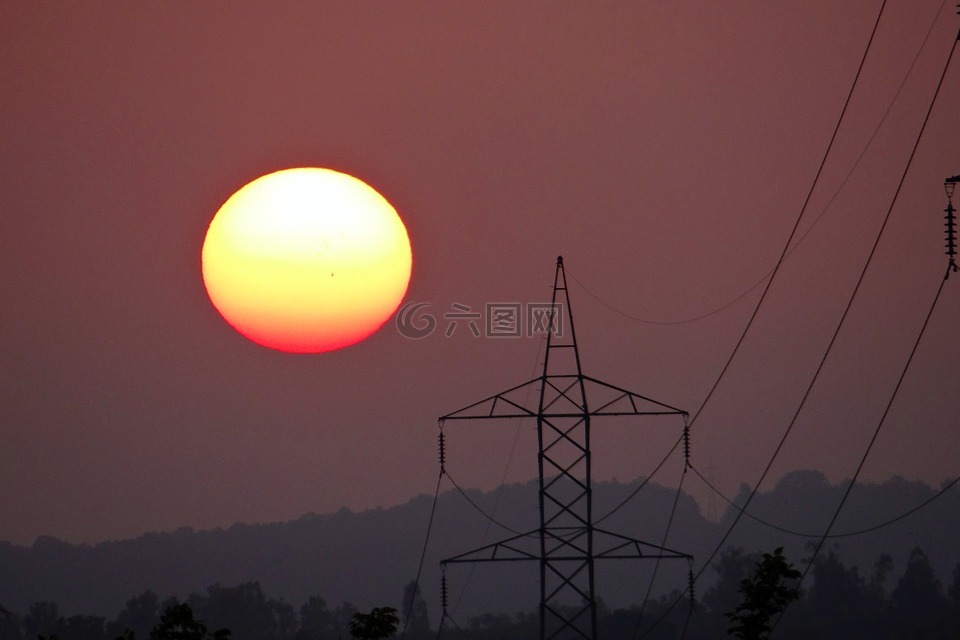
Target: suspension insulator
(950,225)
(443,450)
(951,228)
(692,584)
(443,593)
(686,445)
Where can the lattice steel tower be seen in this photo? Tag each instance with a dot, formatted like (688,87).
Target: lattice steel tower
(569,543)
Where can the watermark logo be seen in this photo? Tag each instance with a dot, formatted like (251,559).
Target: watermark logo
(414,325)
(497,320)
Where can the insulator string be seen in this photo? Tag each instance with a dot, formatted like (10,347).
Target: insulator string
(443,451)
(444,597)
(950,223)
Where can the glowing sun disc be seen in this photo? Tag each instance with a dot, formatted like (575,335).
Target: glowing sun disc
(306,260)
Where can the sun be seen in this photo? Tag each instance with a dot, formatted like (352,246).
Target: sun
(306,260)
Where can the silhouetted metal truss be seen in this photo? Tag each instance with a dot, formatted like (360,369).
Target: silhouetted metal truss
(566,544)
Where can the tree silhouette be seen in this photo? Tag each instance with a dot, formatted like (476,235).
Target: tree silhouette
(765,594)
(10,625)
(380,623)
(917,602)
(953,606)
(139,616)
(82,627)
(41,618)
(246,609)
(343,616)
(178,623)
(732,567)
(842,602)
(881,571)
(317,622)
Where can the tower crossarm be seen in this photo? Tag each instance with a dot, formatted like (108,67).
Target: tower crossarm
(500,405)
(614,401)
(614,546)
(617,401)
(508,550)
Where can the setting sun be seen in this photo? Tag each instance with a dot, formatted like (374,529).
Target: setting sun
(306,260)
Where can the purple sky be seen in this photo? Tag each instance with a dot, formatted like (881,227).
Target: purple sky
(664,149)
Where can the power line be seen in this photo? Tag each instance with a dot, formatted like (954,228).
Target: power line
(423,553)
(503,480)
(873,439)
(842,318)
(846,310)
(786,247)
(634,493)
(766,290)
(473,504)
(846,534)
(813,186)
(804,235)
(663,543)
(913,351)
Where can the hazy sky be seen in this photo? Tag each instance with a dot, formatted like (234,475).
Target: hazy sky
(664,149)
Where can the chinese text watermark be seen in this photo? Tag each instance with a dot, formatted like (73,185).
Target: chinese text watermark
(496,320)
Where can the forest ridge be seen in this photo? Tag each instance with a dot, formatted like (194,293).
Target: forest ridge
(365,559)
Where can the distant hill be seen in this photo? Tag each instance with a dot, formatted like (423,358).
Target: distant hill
(366,558)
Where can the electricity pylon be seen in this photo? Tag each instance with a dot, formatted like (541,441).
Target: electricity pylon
(569,542)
